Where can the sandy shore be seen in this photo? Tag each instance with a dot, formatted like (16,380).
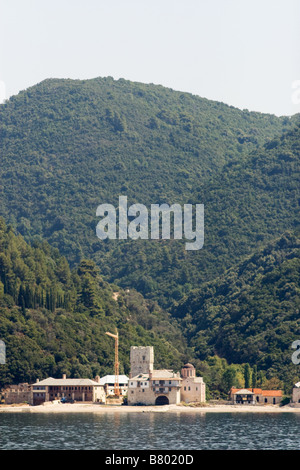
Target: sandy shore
(94,408)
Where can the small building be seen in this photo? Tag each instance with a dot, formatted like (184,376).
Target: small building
(192,388)
(81,390)
(243,396)
(21,393)
(108,382)
(255,396)
(159,387)
(296,394)
(149,386)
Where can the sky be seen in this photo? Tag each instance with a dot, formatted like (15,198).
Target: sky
(245,53)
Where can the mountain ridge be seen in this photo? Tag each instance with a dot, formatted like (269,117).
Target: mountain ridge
(67,146)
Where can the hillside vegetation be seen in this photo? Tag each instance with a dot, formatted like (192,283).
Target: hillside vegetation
(249,203)
(53,319)
(67,146)
(250,314)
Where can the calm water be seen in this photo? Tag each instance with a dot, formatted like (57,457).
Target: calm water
(157,431)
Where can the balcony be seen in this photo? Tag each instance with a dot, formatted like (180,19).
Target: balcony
(158,391)
(165,384)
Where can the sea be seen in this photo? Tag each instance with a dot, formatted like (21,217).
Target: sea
(149,431)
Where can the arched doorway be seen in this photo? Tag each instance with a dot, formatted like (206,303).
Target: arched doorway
(162,400)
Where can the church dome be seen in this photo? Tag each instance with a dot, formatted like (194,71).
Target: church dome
(188,370)
(188,366)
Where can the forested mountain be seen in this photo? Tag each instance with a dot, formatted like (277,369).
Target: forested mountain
(67,146)
(248,203)
(53,319)
(250,314)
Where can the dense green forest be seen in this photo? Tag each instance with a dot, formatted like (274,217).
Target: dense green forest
(67,146)
(250,314)
(53,319)
(250,202)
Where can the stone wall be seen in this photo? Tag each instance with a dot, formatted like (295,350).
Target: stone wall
(146,396)
(296,395)
(146,388)
(17,394)
(141,360)
(193,390)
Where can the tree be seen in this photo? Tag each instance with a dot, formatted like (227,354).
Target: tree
(254,376)
(247,375)
(228,379)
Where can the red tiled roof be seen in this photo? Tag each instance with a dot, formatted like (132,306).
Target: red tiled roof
(259,391)
(272,393)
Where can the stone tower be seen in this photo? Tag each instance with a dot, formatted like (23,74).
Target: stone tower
(188,370)
(141,360)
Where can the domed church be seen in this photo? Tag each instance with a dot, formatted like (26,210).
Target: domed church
(149,386)
(192,388)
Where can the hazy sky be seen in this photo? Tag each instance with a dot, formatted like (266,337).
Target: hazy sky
(243,52)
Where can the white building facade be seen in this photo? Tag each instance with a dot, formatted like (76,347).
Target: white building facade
(149,386)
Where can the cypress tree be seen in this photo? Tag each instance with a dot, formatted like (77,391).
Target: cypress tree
(247,375)
(254,376)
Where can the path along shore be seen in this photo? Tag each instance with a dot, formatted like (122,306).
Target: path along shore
(95,408)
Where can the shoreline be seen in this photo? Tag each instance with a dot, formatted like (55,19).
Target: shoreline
(100,409)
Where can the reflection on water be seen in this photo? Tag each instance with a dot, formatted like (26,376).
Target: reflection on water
(149,431)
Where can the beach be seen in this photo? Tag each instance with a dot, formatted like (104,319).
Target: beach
(97,408)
